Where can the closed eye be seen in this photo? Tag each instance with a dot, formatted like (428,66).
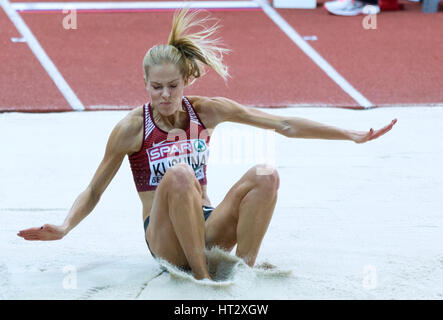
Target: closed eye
(157,88)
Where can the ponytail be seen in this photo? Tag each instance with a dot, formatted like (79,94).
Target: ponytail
(189,51)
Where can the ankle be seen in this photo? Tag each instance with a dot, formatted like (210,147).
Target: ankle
(200,275)
(199,266)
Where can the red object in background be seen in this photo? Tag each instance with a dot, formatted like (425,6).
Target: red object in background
(390,5)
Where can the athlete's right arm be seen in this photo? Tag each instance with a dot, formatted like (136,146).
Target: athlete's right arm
(123,140)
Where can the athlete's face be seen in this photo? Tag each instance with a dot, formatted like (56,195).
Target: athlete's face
(165,86)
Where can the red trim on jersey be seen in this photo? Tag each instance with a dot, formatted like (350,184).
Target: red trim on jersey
(152,117)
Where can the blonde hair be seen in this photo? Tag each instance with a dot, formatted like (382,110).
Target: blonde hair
(189,51)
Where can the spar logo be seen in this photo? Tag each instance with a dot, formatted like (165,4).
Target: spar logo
(194,152)
(177,148)
(200,145)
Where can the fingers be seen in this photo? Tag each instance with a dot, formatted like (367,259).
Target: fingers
(44,233)
(375,134)
(31,233)
(389,126)
(31,237)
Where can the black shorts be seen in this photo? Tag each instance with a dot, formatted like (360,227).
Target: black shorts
(207,210)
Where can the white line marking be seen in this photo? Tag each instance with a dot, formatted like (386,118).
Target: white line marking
(14,39)
(22,6)
(311,53)
(41,55)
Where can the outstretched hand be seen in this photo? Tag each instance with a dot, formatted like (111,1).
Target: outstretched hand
(365,136)
(45,233)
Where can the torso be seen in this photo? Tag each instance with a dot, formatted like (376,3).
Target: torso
(137,119)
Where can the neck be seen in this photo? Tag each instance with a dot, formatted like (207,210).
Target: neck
(175,120)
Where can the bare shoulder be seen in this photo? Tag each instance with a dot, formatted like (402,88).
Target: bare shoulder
(214,110)
(220,109)
(126,137)
(134,119)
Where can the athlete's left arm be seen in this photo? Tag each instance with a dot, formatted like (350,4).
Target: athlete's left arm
(293,127)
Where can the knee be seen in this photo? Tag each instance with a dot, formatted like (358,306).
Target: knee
(266,178)
(181,178)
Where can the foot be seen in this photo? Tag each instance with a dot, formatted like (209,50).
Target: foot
(265,266)
(350,8)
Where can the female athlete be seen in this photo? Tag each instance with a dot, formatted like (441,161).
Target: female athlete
(167,142)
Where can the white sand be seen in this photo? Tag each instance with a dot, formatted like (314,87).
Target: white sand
(352,221)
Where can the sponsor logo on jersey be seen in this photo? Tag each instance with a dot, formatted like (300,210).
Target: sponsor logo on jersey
(194,152)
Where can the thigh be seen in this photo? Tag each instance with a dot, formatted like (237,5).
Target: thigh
(160,234)
(221,226)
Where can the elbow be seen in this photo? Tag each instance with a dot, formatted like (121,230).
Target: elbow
(288,130)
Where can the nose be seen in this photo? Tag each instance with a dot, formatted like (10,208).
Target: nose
(165,93)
